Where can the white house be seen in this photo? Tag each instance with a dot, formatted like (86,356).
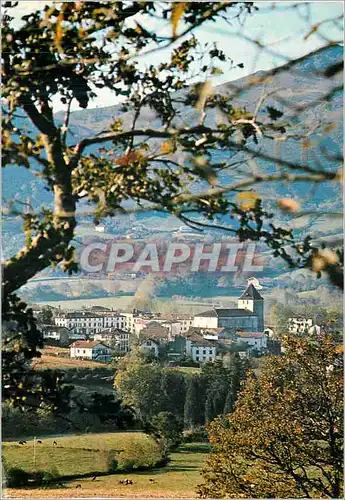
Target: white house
(299,325)
(114,337)
(57,333)
(198,348)
(201,351)
(89,323)
(90,349)
(135,321)
(80,322)
(231,319)
(255,340)
(150,346)
(269,332)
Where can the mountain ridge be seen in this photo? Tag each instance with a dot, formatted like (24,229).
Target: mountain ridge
(20,181)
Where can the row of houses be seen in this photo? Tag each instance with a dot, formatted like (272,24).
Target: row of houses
(203,344)
(199,344)
(247,316)
(97,333)
(89,323)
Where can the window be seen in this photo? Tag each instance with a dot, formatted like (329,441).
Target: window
(84,351)
(196,358)
(204,352)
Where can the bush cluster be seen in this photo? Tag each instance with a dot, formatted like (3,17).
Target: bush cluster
(18,478)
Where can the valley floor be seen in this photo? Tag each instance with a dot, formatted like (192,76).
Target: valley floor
(178,479)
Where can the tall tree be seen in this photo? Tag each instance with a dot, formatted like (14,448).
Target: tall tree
(168,426)
(230,400)
(284,438)
(194,408)
(173,392)
(138,385)
(217,380)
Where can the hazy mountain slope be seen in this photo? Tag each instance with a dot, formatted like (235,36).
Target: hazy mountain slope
(298,87)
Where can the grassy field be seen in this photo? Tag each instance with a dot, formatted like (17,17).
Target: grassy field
(54,362)
(187,370)
(80,454)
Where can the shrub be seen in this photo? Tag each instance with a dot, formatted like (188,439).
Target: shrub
(140,455)
(196,435)
(112,462)
(17,478)
(167,426)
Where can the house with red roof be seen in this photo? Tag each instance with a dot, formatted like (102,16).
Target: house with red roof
(90,349)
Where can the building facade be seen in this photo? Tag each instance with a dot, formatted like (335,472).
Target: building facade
(248,316)
(116,339)
(89,323)
(94,350)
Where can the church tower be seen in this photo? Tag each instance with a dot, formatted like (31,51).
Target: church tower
(252,300)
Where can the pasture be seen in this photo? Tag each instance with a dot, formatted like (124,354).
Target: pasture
(88,453)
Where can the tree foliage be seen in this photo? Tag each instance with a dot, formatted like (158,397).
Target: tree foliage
(150,388)
(222,385)
(165,425)
(284,438)
(194,408)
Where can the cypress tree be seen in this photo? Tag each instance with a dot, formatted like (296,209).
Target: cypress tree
(230,400)
(193,408)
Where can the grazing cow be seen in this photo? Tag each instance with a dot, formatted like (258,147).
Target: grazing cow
(78,486)
(24,442)
(54,443)
(152,480)
(39,441)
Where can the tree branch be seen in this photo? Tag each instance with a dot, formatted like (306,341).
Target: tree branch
(38,119)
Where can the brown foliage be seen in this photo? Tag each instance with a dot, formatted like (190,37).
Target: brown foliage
(285,437)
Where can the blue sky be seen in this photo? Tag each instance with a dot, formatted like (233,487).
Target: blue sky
(283,28)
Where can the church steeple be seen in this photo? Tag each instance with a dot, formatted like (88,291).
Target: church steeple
(251,293)
(252,300)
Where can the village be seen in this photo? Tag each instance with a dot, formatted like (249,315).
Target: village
(100,334)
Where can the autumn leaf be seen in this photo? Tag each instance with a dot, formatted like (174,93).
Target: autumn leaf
(59,29)
(247,199)
(177,11)
(340,175)
(313,30)
(46,20)
(289,205)
(132,157)
(167,147)
(324,258)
